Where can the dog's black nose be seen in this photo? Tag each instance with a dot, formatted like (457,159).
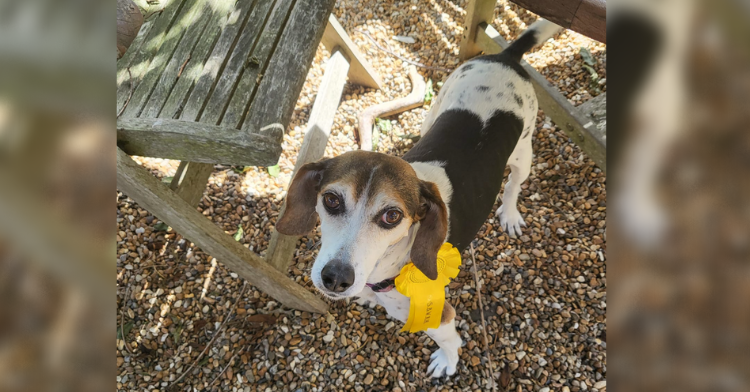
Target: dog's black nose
(337,276)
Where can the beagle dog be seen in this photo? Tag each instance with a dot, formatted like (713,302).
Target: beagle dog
(378,212)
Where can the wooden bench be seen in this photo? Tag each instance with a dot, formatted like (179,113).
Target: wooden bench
(216,81)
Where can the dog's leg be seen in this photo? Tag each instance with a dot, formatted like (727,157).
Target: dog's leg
(444,360)
(520,167)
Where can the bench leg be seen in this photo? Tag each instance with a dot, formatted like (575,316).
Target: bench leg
(477,11)
(281,247)
(190,181)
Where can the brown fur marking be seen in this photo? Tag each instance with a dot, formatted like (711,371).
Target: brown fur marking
(448,314)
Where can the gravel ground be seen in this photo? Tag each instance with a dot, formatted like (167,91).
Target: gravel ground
(544,293)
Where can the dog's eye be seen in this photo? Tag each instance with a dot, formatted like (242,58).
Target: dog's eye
(392,217)
(331,201)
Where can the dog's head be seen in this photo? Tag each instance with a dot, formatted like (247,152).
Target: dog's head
(367,202)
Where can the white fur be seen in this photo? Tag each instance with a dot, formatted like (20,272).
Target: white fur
(462,93)
(545,30)
(352,238)
(520,167)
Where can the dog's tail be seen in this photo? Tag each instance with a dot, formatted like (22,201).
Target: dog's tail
(539,32)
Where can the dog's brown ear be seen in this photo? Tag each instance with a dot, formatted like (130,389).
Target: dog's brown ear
(433,228)
(299,217)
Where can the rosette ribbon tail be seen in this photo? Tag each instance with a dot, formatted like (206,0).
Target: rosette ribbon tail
(427,296)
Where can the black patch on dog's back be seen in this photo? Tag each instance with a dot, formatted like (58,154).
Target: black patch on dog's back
(475,156)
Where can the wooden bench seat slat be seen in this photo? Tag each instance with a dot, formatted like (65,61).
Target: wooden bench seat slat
(172,71)
(288,67)
(214,65)
(194,66)
(247,83)
(191,10)
(133,65)
(239,62)
(124,62)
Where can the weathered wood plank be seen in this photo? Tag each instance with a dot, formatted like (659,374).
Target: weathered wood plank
(283,79)
(134,64)
(360,72)
(154,196)
(194,66)
(554,104)
(190,180)
(134,48)
(595,110)
(215,63)
(281,247)
(173,70)
(161,59)
(240,60)
(196,142)
(588,17)
(477,11)
(256,64)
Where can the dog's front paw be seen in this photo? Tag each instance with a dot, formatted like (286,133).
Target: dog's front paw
(442,364)
(510,220)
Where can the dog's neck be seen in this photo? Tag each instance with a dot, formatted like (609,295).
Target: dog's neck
(397,255)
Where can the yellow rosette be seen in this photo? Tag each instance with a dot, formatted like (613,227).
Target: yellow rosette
(427,297)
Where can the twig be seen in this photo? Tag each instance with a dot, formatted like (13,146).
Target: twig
(130,80)
(414,99)
(182,67)
(122,321)
(208,280)
(224,369)
(211,342)
(481,314)
(366,34)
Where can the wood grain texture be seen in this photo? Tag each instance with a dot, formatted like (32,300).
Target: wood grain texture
(151,194)
(190,181)
(477,11)
(215,63)
(133,65)
(360,71)
(281,247)
(240,92)
(588,17)
(197,142)
(283,79)
(182,54)
(591,20)
(194,66)
(554,104)
(160,57)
